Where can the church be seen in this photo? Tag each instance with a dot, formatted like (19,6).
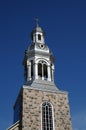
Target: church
(40,104)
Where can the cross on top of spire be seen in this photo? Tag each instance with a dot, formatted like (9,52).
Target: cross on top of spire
(37,20)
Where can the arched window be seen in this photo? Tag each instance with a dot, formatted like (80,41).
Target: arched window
(45,71)
(39,37)
(39,69)
(47,118)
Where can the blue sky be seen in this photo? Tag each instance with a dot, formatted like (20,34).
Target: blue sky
(64,22)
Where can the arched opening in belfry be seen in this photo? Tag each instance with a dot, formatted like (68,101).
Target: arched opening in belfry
(31,68)
(45,74)
(39,70)
(39,37)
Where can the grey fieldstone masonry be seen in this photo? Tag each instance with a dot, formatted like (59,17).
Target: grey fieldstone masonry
(31,113)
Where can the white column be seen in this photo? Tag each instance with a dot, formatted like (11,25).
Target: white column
(52,73)
(36,70)
(29,72)
(42,72)
(49,73)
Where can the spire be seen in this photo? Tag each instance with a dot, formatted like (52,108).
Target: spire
(37,20)
(37,34)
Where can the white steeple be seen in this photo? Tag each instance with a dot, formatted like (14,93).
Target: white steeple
(38,61)
(37,35)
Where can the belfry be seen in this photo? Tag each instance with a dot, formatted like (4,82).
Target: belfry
(40,105)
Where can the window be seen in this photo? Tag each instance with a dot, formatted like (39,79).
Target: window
(39,69)
(45,71)
(42,70)
(39,37)
(47,119)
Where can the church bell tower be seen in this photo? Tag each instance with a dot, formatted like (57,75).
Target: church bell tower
(40,105)
(38,61)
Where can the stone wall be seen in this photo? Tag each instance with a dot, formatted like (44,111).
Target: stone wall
(31,113)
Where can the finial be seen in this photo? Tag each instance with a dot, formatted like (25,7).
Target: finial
(37,20)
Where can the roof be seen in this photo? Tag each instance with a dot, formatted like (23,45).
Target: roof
(37,29)
(43,85)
